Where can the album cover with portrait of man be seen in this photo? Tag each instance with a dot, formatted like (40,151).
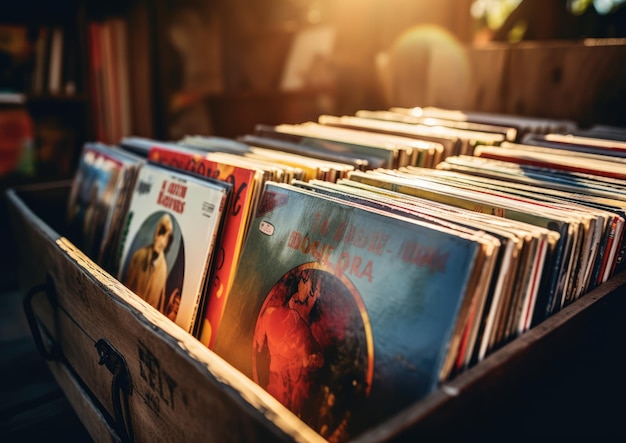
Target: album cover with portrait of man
(168,243)
(343,313)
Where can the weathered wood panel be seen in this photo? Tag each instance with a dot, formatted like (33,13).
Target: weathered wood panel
(90,415)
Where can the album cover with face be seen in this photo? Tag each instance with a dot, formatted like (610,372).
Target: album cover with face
(247,183)
(167,247)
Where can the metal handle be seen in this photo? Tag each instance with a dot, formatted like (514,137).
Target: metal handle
(52,352)
(121,386)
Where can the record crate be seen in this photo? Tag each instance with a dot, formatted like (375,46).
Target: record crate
(132,375)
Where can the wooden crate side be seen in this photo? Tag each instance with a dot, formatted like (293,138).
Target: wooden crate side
(29,229)
(181,390)
(90,415)
(78,351)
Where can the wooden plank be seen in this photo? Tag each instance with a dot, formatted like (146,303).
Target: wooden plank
(78,349)
(90,415)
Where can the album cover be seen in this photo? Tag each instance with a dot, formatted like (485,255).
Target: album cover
(508,132)
(410,150)
(493,267)
(343,313)
(607,167)
(513,260)
(523,124)
(561,258)
(168,243)
(577,144)
(355,160)
(469,137)
(98,197)
(246,184)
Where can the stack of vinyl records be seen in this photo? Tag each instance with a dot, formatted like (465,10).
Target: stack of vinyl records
(357,262)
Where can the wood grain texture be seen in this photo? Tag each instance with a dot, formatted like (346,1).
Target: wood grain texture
(90,415)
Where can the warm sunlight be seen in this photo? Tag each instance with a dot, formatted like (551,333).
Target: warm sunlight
(407,68)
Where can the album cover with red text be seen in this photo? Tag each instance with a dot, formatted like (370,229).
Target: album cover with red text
(343,313)
(168,240)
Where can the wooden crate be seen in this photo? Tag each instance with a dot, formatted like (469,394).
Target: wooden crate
(131,374)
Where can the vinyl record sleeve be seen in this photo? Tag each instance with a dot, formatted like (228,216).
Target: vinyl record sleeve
(507,278)
(169,240)
(423,210)
(561,257)
(247,185)
(98,198)
(592,191)
(333,301)
(452,144)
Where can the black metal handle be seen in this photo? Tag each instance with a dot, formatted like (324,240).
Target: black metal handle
(52,352)
(121,386)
